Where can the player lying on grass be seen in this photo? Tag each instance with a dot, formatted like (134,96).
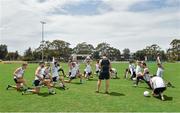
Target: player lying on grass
(40,80)
(18,76)
(143,76)
(113,73)
(88,70)
(74,73)
(56,78)
(130,70)
(158,87)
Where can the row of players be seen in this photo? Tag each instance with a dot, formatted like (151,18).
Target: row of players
(141,72)
(50,77)
(103,69)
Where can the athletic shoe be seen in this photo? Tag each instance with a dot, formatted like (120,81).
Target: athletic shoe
(52,93)
(8,87)
(162,98)
(106,92)
(135,85)
(23,93)
(64,88)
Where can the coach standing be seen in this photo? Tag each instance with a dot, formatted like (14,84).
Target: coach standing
(105,66)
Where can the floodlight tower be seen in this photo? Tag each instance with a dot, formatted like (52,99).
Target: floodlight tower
(42,22)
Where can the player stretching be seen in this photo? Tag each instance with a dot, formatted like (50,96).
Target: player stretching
(19,78)
(87,70)
(74,73)
(55,75)
(158,87)
(144,76)
(40,80)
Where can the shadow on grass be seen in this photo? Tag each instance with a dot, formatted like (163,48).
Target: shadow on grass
(143,87)
(116,94)
(62,89)
(91,79)
(44,94)
(168,98)
(77,83)
(165,97)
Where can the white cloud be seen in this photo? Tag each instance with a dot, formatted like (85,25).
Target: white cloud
(120,27)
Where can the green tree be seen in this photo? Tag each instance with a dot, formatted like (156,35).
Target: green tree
(12,55)
(112,53)
(126,53)
(151,53)
(60,49)
(28,55)
(83,48)
(3,51)
(173,53)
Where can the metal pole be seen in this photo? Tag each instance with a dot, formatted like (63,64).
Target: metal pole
(42,39)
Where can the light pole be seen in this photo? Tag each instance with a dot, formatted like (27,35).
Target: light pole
(42,22)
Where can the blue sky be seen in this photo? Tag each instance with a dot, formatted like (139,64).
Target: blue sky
(154,5)
(121,23)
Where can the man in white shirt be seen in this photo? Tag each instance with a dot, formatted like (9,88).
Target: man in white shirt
(158,86)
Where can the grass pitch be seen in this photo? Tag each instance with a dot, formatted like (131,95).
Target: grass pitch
(82,97)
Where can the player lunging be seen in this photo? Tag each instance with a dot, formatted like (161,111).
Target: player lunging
(19,78)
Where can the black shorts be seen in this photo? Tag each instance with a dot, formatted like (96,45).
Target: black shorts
(55,79)
(71,78)
(104,75)
(89,74)
(36,83)
(69,73)
(15,80)
(159,90)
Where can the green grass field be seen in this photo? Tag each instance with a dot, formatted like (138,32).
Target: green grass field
(82,97)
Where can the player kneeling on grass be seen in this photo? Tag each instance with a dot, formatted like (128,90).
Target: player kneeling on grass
(97,68)
(40,80)
(74,73)
(19,78)
(130,70)
(144,76)
(56,78)
(113,73)
(47,73)
(158,87)
(88,70)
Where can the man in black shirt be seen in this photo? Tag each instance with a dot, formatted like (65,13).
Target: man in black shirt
(105,66)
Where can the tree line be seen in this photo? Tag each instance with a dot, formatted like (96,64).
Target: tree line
(61,49)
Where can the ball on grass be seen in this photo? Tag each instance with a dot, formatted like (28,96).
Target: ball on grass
(146,93)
